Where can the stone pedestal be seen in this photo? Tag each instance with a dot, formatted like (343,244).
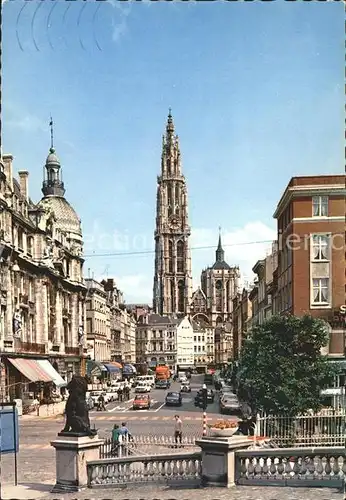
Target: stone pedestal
(72,454)
(218,459)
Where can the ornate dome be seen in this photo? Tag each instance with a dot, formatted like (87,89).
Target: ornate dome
(52,158)
(66,219)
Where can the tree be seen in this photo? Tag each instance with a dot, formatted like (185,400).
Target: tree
(281,368)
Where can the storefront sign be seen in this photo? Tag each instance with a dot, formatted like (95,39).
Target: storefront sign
(343,309)
(338,320)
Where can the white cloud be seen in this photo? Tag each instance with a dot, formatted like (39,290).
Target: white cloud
(243,247)
(119,23)
(137,288)
(28,123)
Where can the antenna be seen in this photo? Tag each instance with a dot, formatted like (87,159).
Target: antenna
(51,133)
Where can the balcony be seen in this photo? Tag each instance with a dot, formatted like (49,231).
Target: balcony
(72,350)
(31,347)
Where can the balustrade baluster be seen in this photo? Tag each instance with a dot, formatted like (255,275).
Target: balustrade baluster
(251,467)
(257,468)
(265,467)
(336,467)
(280,467)
(272,468)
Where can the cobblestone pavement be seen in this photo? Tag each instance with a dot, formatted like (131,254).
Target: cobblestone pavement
(36,470)
(35,492)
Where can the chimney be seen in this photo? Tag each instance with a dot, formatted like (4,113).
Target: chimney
(7,161)
(23,182)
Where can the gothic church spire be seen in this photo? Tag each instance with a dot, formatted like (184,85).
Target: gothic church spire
(220,253)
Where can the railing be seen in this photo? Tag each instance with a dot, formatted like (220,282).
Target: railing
(72,350)
(32,347)
(118,472)
(326,428)
(292,467)
(151,445)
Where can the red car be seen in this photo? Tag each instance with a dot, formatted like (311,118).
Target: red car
(141,402)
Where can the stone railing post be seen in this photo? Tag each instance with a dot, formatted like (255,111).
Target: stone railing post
(73,451)
(218,459)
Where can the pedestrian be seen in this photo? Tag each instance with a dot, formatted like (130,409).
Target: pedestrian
(125,436)
(116,440)
(120,394)
(178,430)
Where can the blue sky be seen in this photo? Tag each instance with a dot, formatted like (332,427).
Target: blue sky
(256,91)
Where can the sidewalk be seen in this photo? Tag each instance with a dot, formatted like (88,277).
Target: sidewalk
(33,491)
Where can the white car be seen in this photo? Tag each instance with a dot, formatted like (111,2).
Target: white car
(143,387)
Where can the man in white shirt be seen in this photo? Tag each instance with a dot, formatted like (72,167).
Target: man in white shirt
(178,429)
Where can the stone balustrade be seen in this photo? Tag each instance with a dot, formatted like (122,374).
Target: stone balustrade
(292,467)
(142,444)
(118,472)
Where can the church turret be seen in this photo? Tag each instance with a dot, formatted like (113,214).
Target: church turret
(220,253)
(52,183)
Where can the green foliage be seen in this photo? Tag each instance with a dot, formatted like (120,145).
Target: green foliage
(281,368)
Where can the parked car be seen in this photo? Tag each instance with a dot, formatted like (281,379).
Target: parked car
(143,387)
(162,384)
(229,404)
(141,402)
(173,399)
(185,387)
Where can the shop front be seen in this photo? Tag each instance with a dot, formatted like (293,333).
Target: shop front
(33,381)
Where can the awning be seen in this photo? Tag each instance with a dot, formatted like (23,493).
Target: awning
(129,369)
(111,368)
(95,368)
(115,363)
(31,369)
(51,371)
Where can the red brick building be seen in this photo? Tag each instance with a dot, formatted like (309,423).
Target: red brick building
(310,277)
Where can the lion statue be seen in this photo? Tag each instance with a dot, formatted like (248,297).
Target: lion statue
(76,410)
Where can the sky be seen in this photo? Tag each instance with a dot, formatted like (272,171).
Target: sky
(256,91)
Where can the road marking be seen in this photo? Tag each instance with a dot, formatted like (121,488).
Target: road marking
(159,408)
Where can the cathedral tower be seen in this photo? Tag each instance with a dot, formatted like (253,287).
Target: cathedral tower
(173,278)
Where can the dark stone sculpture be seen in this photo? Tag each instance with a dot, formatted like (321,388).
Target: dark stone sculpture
(76,410)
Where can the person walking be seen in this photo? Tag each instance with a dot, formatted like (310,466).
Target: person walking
(116,440)
(120,394)
(178,430)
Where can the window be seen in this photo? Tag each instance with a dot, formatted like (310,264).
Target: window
(170,257)
(320,291)
(181,296)
(218,295)
(320,206)
(320,247)
(180,256)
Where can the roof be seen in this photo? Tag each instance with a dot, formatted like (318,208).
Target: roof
(66,219)
(156,319)
(221,265)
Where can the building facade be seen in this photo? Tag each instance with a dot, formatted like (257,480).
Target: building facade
(311,252)
(223,339)
(241,320)
(212,303)
(42,290)
(204,346)
(156,341)
(97,321)
(173,277)
(262,293)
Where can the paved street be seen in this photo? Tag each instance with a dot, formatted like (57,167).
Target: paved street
(36,458)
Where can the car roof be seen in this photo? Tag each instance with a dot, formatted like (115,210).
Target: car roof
(173,394)
(141,396)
